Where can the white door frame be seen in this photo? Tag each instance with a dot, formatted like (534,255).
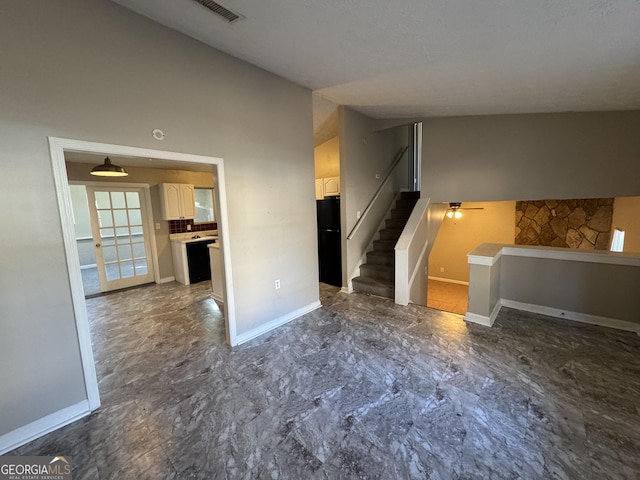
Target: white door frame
(57,147)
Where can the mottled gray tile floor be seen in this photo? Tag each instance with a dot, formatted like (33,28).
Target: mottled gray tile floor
(361,388)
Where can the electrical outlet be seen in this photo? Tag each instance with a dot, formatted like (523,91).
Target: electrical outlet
(278,284)
(358,215)
(188,228)
(157,226)
(441,269)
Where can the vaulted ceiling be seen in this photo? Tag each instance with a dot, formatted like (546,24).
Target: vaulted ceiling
(422,58)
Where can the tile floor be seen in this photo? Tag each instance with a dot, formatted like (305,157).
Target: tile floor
(361,388)
(449,297)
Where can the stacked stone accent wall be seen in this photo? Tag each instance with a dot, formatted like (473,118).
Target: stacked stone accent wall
(583,224)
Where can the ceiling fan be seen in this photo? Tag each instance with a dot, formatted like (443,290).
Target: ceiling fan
(454,209)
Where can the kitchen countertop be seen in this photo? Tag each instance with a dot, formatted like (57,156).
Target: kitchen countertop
(188,237)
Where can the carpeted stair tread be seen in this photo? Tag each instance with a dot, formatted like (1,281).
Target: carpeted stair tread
(377,275)
(380,257)
(401,213)
(384,273)
(390,233)
(373,287)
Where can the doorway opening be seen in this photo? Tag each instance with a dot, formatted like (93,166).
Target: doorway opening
(461,231)
(58,147)
(114,235)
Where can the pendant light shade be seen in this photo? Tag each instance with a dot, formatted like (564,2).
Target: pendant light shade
(107,169)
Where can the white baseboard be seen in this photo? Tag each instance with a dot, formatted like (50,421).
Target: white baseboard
(42,426)
(217,298)
(575,316)
(275,323)
(87,267)
(448,280)
(483,320)
(346,290)
(166,280)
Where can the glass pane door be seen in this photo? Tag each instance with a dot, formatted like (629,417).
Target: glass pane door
(119,232)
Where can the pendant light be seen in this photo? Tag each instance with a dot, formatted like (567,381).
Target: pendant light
(107,169)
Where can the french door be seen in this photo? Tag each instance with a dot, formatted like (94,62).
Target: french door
(121,236)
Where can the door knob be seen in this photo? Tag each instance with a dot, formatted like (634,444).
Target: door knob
(98,245)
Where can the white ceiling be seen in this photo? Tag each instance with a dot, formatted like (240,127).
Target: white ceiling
(415,58)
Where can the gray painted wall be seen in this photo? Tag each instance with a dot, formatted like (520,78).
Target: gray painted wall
(529,157)
(363,153)
(91,70)
(604,290)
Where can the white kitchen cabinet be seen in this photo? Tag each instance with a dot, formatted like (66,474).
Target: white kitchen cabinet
(331,186)
(177,201)
(319,189)
(327,187)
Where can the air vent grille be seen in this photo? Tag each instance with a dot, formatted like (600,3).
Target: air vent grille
(218,9)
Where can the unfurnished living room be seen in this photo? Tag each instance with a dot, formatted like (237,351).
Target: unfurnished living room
(241,325)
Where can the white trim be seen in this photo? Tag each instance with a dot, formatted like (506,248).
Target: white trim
(488,254)
(95,183)
(57,147)
(152,234)
(406,270)
(418,263)
(553,312)
(275,323)
(574,316)
(42,426)
(217,298)
(448,280)
(63,192)
(481,319)
(591,256)
(348,289)
(167,280)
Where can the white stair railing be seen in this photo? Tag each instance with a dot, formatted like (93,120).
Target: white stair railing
(412,252)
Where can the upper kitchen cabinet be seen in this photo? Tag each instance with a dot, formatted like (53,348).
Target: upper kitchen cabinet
(319,189)
(331,186)
(177,201)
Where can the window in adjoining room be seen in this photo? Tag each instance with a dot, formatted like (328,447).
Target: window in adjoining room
(204,205)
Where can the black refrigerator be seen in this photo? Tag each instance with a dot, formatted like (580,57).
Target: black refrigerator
(329,241)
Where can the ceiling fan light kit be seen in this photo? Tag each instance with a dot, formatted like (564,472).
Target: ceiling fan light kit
(455,207)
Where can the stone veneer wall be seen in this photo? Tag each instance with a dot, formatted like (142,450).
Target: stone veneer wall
(583,224)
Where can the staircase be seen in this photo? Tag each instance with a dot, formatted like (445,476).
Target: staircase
(377,276)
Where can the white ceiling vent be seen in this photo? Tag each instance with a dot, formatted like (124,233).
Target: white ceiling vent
(218,9)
